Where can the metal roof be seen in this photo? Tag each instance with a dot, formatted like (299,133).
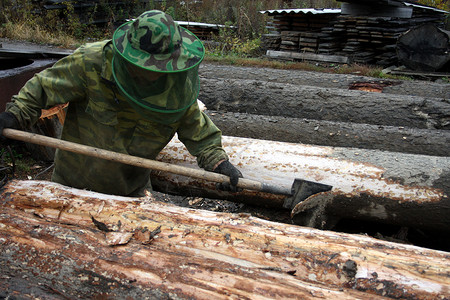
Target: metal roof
(198,24)
(425,7)
(314,11)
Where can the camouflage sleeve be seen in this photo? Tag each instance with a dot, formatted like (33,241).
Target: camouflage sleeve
(202,138)
(59,84)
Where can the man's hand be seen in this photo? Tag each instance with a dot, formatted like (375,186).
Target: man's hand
(7,120)
(228,169)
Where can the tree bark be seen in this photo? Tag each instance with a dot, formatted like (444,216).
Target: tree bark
(337,134)
(58,242)
(214,71)
(338,105)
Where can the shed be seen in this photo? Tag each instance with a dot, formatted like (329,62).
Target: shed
(361,31)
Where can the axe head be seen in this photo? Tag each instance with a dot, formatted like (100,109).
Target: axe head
(302,189)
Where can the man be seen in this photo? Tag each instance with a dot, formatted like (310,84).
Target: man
(130,95)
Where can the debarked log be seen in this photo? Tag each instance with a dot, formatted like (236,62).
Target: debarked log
(329,104)
(59,242)
(432,142)
(388,187)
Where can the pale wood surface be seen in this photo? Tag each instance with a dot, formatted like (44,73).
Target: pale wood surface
(51,246)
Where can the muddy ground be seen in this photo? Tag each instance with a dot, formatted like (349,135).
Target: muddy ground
(313,108)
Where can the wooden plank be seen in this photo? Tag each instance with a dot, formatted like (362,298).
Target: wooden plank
(424,74)
(307,56)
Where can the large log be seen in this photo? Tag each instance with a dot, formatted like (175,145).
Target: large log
(58,243)
(424,48)
(432,142)
(318,79)
(339,105)
(391,188)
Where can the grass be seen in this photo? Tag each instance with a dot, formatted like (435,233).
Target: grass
(36,34)
(363,70)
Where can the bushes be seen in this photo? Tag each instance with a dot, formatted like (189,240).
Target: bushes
(78,21)
(441,4)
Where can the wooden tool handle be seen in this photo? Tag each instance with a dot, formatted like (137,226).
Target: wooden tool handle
(138,161)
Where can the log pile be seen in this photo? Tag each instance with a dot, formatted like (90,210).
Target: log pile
(299,32)
(305,107)
(59,243)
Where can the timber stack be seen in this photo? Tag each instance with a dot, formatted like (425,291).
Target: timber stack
(361,31)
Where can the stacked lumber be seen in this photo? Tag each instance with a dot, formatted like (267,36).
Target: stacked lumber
(64,243)
(373,39)
(282,22)
(309,42)
(369,38)
(290,41)
(330,41)
(362,34)
(300,31)
(271,41)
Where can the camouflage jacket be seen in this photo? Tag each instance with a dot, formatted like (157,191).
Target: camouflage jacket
(99,116)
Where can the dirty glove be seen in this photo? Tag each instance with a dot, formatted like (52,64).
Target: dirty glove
(228,169)
(7,120)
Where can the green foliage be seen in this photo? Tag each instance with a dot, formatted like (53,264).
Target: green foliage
(441,4)
(71,18)
(243,15)
(233,46)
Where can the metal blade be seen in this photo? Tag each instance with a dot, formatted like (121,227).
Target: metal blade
(302,189)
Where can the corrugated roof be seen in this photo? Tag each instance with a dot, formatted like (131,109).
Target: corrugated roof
(314,11)
(198,24)
(425,7)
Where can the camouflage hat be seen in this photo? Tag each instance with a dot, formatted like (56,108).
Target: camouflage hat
(154,41)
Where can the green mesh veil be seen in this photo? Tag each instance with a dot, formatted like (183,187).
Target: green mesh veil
(155,64)
(159,92)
